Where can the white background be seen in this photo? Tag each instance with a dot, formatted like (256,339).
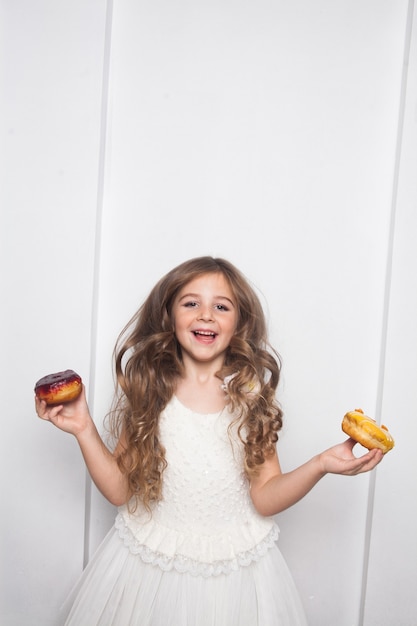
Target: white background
(282,136)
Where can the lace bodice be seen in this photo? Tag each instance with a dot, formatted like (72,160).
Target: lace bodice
(206,522)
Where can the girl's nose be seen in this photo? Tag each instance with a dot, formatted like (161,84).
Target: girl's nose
(205,313)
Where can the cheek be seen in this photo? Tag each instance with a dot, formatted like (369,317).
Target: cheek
(179,323)
(234,325)
(230,331)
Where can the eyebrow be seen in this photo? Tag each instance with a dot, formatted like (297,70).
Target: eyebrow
(197,295)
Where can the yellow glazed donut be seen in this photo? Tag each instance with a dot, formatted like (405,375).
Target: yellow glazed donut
(366,431)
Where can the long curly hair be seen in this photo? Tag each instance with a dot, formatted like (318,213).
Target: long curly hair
(148,365)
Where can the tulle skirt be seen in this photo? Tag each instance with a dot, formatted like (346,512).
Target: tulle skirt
(118,589)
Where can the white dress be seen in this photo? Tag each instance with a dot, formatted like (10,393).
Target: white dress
(204,557)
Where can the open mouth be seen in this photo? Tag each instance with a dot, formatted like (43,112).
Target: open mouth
(204,334)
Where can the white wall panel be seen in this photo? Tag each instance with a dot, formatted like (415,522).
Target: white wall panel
(392,575)
(50,99)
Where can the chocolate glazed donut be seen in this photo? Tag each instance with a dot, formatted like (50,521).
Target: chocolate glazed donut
(59,388)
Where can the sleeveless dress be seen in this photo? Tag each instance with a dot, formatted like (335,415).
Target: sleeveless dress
(204,557)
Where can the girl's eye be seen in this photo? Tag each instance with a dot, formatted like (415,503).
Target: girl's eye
(192,304)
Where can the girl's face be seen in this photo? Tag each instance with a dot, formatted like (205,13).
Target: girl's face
(205,318)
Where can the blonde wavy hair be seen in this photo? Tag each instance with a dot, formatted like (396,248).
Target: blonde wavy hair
(148,364)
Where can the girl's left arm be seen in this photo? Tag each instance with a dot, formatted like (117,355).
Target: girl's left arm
(273,491)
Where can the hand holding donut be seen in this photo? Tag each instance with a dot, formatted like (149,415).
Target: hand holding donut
(60,399)
(364,430)
(340,459)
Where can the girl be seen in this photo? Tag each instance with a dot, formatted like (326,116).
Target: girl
(194,472)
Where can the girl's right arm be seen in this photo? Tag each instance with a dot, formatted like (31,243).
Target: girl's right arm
(74,418)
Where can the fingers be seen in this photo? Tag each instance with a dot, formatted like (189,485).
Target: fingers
(71,417)
(366,462)
(40,406)
(375,457)
(350,444)
(46,412)
(341,460)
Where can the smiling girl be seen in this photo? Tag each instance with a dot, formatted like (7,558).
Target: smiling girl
(194,470)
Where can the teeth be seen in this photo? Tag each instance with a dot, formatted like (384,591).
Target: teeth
(205,333)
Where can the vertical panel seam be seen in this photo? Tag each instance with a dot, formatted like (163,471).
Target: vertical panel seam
(387,298)
(97,254)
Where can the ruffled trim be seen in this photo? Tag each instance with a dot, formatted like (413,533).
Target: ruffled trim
(182,563)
